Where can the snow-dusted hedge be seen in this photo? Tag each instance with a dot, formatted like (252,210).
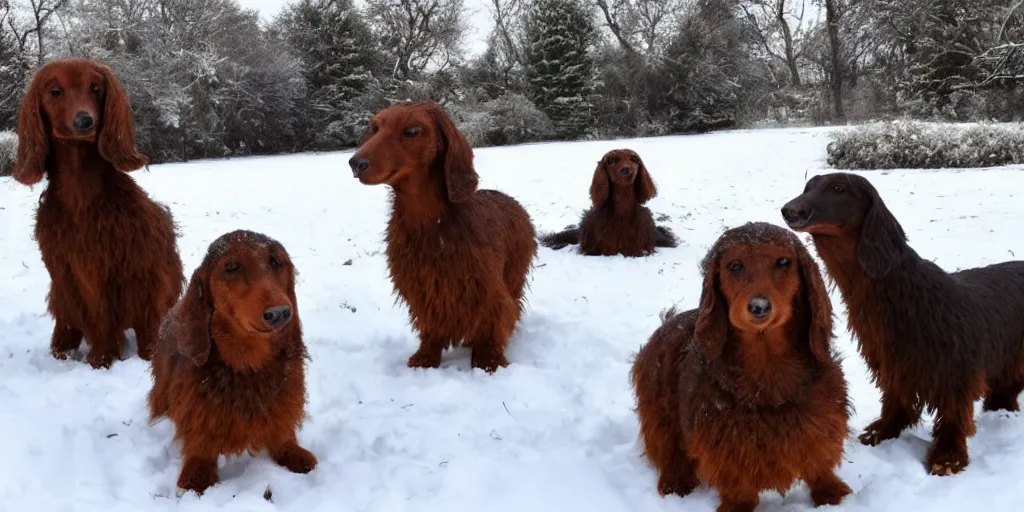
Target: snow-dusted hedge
(509,119)
(8,149)
(921,145)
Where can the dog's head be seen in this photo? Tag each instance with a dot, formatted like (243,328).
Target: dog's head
(76,100)
(244,288)
(621,168)
(759,277)
(412,144)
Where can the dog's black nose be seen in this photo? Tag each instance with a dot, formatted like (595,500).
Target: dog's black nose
(625,171)
(83,122)
(759,307)
(796,214)
(277,316)
(358,165)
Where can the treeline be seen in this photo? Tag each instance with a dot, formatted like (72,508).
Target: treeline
(208,79)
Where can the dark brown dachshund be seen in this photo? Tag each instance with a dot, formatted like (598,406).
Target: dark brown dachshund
(618,222)
(110,250)
(931,339)
(458,257)
(745,393)
(229,367)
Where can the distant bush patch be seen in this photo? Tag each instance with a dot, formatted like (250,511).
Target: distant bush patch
(920,145)
(507,120)
(8,149)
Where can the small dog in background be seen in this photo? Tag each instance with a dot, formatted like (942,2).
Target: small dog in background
(617,222)
(229,369)
(109,249)
(745,393)
(458,256)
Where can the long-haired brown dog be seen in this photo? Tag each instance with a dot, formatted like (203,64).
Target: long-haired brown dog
(617,221)
(229,366)
(745,393)
(458,257)
(110,250)
(931,339)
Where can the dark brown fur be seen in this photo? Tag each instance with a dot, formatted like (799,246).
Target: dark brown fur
(931,339)
(741,403)
(110,250)
(617,222)
(457,256)
(230,380)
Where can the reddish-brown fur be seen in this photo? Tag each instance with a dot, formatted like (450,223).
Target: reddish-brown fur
(110,250)
(229,377)
(457,256)
(742,402)
(931,339)
(617,222)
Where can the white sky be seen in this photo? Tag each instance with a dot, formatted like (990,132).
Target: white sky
(477,18)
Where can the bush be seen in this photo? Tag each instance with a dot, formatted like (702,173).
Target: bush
(920,145)
(8,150)
(509,119)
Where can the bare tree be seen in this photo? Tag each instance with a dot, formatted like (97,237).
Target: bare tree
(419,33)
(771,22)
(640,26)
(832,15)
(41,11)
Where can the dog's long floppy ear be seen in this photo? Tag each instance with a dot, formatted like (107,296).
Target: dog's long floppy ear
(882,240)
(117,128)
(459,176)
(187,324)
(600,185)
(712,316)
(33,136)
(818,304)
(643,186)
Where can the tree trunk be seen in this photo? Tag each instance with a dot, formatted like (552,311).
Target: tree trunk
(832,20)
(787,37)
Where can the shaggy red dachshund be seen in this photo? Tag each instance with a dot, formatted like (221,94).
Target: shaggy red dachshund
(229,366)
(110,250)
(618,222)
(931,339)
(457,256)
(745,393)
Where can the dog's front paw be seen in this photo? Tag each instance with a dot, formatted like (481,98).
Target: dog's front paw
(198,476)
(296,459)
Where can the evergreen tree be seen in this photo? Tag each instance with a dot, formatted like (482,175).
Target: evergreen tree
(559,72)
(340,61)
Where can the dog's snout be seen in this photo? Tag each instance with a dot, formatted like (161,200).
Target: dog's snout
(625,172)
(796,213)
(277,316)
(759,307)
(83,122)
(359,165)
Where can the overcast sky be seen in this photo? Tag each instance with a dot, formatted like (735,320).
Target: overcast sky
(477,18)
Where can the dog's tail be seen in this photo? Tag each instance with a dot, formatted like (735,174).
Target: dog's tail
(561,239)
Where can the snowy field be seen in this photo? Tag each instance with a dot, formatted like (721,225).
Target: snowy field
(555,431)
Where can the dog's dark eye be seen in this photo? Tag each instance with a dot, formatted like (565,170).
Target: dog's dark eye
(95,89)
(55,93)
(232,267)
(837,189)
(734,266)
(609,161)
(783,262)
(274,262)
(635,159)
(411,132)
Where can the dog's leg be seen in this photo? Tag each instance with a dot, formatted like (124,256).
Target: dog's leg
(293,457)
(488,345)
(429,353)
(679,476)
(105,340)
(738,500)
(146,333)
(827,489)
(65,340)
(954,423)
(1003,396)
(896,417)
(198,473)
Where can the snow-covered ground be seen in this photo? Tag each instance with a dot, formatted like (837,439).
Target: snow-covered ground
(555,431)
